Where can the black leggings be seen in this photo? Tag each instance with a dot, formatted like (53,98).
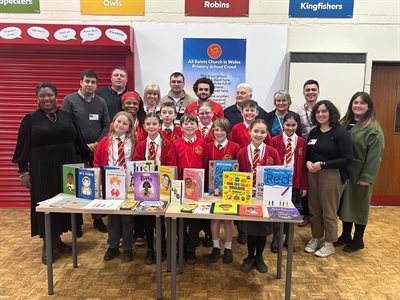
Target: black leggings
(255,245)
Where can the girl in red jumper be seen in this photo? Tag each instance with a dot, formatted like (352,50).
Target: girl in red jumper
(205,113)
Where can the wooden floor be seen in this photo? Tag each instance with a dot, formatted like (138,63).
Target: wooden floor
(373,273)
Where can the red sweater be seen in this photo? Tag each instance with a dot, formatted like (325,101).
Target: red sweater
(167,158)
(208,138)
(270,158)
(174,135)
(101,153)
(217,109)
(190,155)
(229,152)
(240,135)
(141,134)
(300,180)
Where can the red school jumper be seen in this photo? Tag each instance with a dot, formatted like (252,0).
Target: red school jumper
(101,153)
(229,152)
(240,135)
(174,135)
(217,109)
(270,158)
(208,138)
(167,158)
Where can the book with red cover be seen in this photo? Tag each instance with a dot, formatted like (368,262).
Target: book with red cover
(194,183)
(250,210)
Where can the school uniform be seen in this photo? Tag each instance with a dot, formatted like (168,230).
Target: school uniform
(217,109)
(241,136)
(227,151)
(172,133)
(141,134)
(208,136)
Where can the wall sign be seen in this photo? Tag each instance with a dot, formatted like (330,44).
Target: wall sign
(19,6)
(112,7)
(217,8)
(321,9)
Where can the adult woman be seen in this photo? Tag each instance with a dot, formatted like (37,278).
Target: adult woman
(368,143)
(329,151)
(132,103)
(152,96)
(47,139)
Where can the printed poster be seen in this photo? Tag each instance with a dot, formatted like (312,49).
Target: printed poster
(321,9)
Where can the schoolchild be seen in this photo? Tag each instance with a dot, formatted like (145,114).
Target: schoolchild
(116,149)
(169,130)
(257,153)
(156,148)
(221,149)
(205,113)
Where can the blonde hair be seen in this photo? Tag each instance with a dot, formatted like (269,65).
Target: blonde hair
(152,87)
(130,134)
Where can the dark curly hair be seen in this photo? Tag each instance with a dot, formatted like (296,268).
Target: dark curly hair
(206,81)
(334,114)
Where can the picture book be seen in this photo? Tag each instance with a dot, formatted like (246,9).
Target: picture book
(75,203)
(189,207)
(137,166)
(216,168)
(284,213)
(97,182)
(177,190)
(260,182)
(203,208)
(151,206)
(101,204)
(250,210)
(277,184)
(114,181)
(128,205)
(53,199)
(167,174)
(225,208)
(147,186)
(69,178)
(194,183)
(86,184)
(237,187)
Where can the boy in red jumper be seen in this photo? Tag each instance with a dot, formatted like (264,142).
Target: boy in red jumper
(169,130)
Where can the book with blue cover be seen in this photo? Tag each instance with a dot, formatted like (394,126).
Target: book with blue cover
(86,184)
(277,184)
(216,168)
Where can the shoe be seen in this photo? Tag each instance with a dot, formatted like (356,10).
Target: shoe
(207,241)
(274,246)
(260,264)
(139,241)
(215,254)
(228,256)
(306,221)
(191,258)
(312,245)
(342,240)
(247,265)
(326,250)
(242,238)
(111,253)
(127,255)
(99,224)
(354,245)
(61,247)
(150,257)
(79,232)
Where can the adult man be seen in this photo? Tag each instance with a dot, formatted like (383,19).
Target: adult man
(204,88)
(311,93)
(112,94)
(90,111)
(233,113)
(177,94)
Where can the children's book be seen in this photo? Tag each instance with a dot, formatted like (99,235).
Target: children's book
(97,182)
(284,213)
(86,184)
(69,178)
(128,205)
(147,186)
(277,184)
(177,190)
(237,187)
(101,204)
(137,166)
(114,184)
(75,203)
(225,208)
(194,183)
(167,174)
(250,210)
(260,182)
(216,168)
(189,207)
(151,206)
(203,208)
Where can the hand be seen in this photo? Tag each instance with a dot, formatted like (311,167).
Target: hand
(313,167)
(26,181)
(363,183)
(92,146)
(303,193)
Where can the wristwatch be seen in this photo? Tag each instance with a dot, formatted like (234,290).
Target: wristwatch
(322,164)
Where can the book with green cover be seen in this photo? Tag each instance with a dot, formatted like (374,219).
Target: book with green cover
(69,178)
(225,208)
(189,207)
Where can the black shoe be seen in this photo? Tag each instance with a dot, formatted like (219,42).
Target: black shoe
(274,246)
(111,253)
(342,240)
(99,224)
(354,245)
(150,257)
(247,265)
(228,256)
(79,232)
(60,246)
(215,254)
(191,258)
(127,255)
(242,238)
(260,264)
(207,241)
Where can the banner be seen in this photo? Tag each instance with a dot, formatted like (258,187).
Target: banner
(112,7)
(221,60)
(19,6)
(224,8)
(321,9)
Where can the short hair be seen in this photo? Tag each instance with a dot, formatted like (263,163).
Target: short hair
(258,121)
(311,81)
(222,123)
(152,87)
(246,86)
(204,104)
(188,117)
(89,74)
(284,94)
(250,103)
(294,116)
(204,80)
(176,74)
(168,104)
(44,85)
(368,119)
(122,68)
(334,114)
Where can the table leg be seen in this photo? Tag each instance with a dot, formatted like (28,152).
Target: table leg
(158,257)
(168,221)
(181,240)
(49,254)
(74,244)
(279,263)
(288,284)
(173,259)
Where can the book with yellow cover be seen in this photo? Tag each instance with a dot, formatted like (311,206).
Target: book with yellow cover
(128,205)
(167,174)
(225,208)
(237,187)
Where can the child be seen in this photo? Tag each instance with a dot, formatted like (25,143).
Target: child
(221,149)
(190,153)
(169,131)
(292,152)
(115,150)
(154,147)
(240,132)
(256,154)
(205,113)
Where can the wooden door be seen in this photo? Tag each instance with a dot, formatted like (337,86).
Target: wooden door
(385,90)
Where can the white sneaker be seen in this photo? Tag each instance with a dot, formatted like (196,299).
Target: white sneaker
(326,250)
(312,245)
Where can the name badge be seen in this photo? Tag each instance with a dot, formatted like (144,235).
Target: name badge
(181,110)
(312,142)
(93,117)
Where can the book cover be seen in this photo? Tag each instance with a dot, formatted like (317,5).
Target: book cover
(86,184)
(114,184)
(137,166)
(147,186)
(277,184)
(203,208)
(225,208)
(69,178)
(250,210)
(194,183)
(284,213)
(151,206)
(97,182)
(237,187)
(101,204)
(75,203)
(167,174)
(216,168)
(177,190)
(128,205)
(189,207)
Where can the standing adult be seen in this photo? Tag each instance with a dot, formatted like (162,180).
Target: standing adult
(151,98)
(329,152)
(368,143)
(91,113)
(310,93)
(177,94)
(47,139)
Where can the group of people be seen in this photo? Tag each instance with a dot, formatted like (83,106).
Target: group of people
(334,161)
